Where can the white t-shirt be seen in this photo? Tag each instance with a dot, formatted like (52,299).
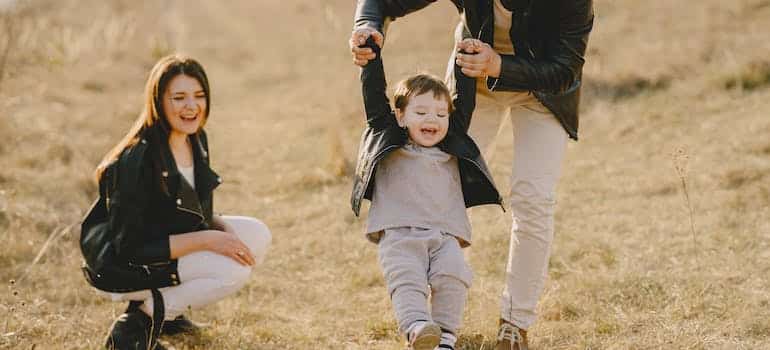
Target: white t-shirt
(188,173)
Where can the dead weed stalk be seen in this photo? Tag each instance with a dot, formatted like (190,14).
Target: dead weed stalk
(681,159)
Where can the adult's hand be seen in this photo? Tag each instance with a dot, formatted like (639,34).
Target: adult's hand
(220,242)
(229,245)
(485,62)
(362,56)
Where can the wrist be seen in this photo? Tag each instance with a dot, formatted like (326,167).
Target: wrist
(204,240)
(495,65)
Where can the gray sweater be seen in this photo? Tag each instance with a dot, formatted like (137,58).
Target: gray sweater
(418,186)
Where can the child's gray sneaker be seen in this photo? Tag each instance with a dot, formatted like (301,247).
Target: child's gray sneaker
(423,336)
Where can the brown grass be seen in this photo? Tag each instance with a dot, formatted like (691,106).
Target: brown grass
(284,130)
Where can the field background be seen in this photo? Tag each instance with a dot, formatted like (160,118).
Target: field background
(676,94)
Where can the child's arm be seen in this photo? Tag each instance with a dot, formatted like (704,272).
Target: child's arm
(379,114)
(464,91)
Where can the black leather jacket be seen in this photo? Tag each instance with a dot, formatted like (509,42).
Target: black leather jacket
(383,135)
(143,213)
(549,37)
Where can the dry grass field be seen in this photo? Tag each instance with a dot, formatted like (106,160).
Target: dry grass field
(677,97)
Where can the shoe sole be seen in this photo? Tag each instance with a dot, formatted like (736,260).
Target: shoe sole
(428,339)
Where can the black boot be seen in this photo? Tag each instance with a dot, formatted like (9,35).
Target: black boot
(131,331)
(180,325)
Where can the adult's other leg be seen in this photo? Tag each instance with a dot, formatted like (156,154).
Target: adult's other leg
(539,146)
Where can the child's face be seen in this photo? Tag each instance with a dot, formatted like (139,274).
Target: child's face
(426,119)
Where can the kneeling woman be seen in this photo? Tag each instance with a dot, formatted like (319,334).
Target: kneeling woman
(161,211)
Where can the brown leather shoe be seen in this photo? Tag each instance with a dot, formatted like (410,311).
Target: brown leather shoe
(510,337)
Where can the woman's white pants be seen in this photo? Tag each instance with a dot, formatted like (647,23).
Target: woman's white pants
(207,277)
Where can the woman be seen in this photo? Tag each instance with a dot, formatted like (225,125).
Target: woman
(158,186)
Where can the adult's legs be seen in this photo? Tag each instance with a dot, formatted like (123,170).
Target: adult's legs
(539,145)
(207,277)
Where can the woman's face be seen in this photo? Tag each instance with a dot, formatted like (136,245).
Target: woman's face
(184,104)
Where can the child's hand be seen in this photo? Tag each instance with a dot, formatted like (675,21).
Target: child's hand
(362,56)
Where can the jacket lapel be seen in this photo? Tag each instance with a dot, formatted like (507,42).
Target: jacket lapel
(206,180)
(186,198)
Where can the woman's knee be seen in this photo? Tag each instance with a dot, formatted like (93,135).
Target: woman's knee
(237,276)
(253,232)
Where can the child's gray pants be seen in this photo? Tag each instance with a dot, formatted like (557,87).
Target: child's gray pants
(414,259)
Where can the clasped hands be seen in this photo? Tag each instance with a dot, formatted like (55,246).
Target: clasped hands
(475,58)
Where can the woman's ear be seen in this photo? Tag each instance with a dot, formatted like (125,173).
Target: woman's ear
(400,117)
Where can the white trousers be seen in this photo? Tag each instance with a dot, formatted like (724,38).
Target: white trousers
(539,142)
(207,277)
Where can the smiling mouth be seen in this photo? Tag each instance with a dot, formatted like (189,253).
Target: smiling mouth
(189,118)
(429,131)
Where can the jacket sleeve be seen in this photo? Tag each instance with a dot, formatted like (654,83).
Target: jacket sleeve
(464,100)
(558,71)
(372,13)
(379,114)
(129,218)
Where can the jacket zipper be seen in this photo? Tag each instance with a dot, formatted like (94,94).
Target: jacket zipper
(146,269)
(192,212)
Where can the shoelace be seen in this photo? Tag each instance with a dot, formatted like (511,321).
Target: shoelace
(509,332)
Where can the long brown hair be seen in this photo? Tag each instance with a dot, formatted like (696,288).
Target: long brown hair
(153,117)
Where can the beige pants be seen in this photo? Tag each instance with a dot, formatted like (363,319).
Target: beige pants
(419,262)
(207,277)
(539,142)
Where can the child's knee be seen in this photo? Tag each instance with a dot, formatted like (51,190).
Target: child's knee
(450,282)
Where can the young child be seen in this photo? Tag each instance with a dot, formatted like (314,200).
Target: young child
(428,170)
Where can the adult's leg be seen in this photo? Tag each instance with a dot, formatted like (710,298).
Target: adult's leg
(253,233)
(207,277)
(539,145)
(488,120)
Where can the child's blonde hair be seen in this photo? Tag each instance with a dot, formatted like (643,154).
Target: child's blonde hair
(420,84)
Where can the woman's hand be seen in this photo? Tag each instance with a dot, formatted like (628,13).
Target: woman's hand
(362,56)
(220,242)
(483,62)
(229,245)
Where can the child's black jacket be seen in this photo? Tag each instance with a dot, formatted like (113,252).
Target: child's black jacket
(383,135)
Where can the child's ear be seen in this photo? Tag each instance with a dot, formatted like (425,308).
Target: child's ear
(400,117)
